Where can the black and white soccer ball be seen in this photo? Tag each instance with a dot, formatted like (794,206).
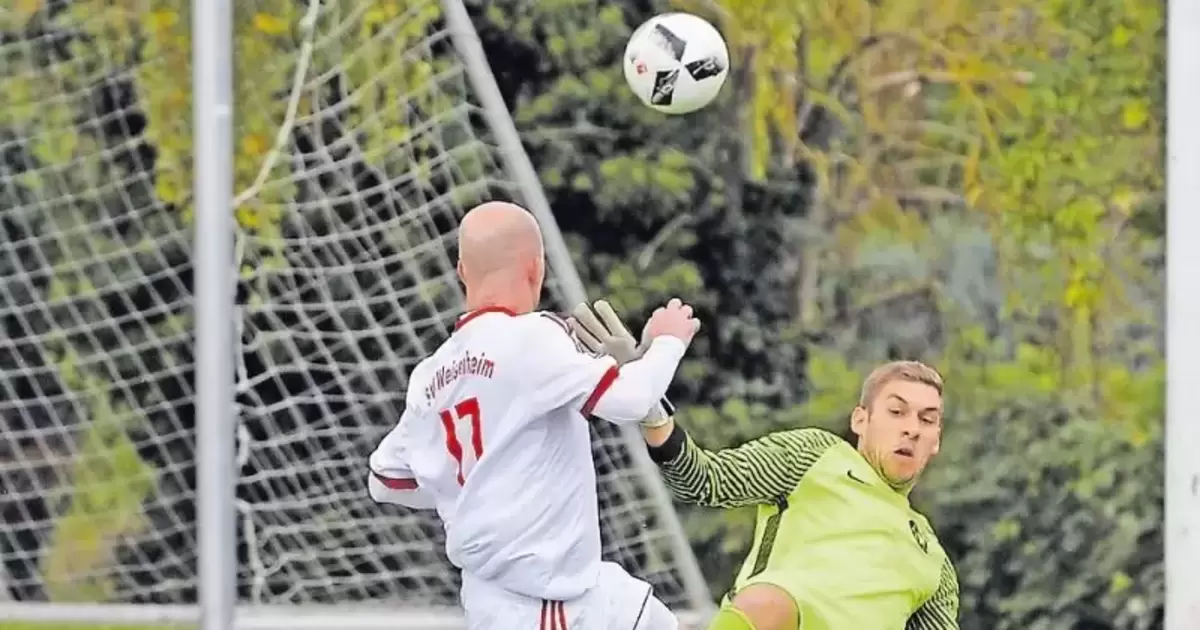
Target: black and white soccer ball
(676,63)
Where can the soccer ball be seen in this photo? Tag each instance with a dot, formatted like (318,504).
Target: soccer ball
(676,63)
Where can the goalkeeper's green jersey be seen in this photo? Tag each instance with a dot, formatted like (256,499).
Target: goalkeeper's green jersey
(849,548)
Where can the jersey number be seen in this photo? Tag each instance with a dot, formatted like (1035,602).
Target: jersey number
(467,412)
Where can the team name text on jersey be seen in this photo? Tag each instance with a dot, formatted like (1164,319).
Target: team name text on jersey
(466,365)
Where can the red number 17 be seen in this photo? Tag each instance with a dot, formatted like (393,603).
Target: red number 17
(465,410)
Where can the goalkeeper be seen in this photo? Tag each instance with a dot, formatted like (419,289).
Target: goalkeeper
(837,545)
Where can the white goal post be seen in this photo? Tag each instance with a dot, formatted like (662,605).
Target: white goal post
(361,131)
(1182,527)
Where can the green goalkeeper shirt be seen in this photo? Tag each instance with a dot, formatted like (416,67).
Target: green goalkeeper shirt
(849,549)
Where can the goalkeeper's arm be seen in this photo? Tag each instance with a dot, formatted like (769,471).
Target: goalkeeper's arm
(759,471)
(941,611)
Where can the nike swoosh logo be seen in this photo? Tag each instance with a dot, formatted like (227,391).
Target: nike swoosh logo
(850,474)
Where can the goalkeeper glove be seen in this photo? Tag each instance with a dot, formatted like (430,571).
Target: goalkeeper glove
(605,334)
(602,332)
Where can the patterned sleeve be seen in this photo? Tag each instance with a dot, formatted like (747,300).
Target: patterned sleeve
(759,471)
(941,611)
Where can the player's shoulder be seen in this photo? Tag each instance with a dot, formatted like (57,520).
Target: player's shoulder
(922,527)
(548,318)
(552,327)
(808,440)
(923,522)
(419,377)
(548,323)
(533,322)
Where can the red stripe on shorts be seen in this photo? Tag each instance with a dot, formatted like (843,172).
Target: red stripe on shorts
(554,616)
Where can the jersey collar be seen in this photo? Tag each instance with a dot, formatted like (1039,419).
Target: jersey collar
(470,315)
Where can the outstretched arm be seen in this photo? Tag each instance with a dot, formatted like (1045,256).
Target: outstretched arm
(941,611)
(759,471)
(639,385)
(568,375)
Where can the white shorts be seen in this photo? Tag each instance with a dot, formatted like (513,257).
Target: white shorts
(618,602)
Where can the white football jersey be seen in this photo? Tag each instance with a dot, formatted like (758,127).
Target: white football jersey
(494,437)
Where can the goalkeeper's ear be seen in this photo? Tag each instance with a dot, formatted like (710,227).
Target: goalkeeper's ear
(858,421)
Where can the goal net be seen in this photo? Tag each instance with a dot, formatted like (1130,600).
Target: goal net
(363,132)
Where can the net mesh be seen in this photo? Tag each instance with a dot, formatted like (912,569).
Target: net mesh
(359,144)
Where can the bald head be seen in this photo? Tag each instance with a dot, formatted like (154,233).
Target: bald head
(499,243)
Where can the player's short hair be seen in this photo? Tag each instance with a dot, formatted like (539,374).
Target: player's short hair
(911,371)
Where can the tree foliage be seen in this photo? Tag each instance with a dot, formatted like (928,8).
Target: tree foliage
(929,182)
(973,183)
(96,196)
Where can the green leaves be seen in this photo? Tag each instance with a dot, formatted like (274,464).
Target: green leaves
(1055,523)
(965,183)
(973,172)
(109,482)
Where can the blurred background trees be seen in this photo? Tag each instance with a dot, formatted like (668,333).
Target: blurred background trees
(974,183)
(977,185)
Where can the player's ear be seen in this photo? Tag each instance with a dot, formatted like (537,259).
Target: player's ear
(462,276)
(534,270)
(858,420)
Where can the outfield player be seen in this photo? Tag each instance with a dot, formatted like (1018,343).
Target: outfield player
(493,436)
(837,545)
